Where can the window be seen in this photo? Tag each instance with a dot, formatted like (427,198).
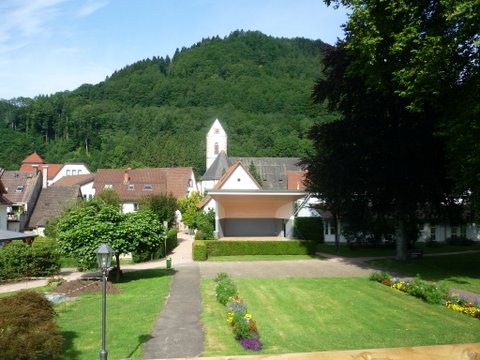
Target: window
(79,172)
(463,232)
(135,206)
(19,188)
(108,186)
(433,231)
(74,172)
(131,186)
(68,173)
(454,232)
(215,150)
(147,187)
(216,131)
(326,225)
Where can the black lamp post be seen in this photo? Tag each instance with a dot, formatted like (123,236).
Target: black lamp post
(104,258)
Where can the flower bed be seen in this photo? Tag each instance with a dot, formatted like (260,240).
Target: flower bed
(464,306)
(429,292)
(238,317)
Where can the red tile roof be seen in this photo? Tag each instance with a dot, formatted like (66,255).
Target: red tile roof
(33,159)
(74,180)
(131,184)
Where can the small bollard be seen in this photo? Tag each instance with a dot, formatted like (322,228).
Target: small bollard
(169,262)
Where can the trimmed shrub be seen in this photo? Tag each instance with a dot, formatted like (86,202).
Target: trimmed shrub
(310,228)
(172,240)
(28,329)
(460,241)
(199,251)
(18,260)
(246,247)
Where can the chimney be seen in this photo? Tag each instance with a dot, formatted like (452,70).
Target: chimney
(35,170)
(45,176)
(126,176)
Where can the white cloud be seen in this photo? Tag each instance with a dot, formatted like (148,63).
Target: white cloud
(90,7)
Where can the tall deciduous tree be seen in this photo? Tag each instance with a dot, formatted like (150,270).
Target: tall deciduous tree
(379,157)
(427,53)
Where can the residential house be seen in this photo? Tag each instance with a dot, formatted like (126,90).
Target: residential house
(134,184)
(85,182)
(7,236)
(22,190)
(51,203)
(4,204)
(52,172)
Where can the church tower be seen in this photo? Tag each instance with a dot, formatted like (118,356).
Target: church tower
(216,142)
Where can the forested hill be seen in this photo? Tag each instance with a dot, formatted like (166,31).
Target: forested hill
(156,112)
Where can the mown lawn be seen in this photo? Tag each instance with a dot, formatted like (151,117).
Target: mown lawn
(457,271)
(302,315)
(263,257)
(346,251)
(130,317)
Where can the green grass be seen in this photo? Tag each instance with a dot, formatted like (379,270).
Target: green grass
(131,315)
(263,257)
(457,271)
(303,315)
(384,252)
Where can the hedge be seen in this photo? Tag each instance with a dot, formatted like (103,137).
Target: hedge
(18,260)
(199,250)
(310,228)
(251,247)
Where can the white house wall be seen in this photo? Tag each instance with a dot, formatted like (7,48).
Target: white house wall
(87,190)
(240,180)
(3,217)
(69,169)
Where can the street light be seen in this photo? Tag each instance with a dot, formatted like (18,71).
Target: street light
(104,258)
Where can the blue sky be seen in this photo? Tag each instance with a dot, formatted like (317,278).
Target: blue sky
(55,45)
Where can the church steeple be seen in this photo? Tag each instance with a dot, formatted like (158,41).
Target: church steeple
(216,142)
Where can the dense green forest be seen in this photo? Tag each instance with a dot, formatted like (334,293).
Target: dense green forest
(156,112)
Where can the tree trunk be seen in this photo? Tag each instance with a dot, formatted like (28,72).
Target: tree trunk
(117,270)
(401,240)
(337,232)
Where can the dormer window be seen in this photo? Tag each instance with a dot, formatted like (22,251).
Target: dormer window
(19,188)
(147,187)
(108,186)
(131,186)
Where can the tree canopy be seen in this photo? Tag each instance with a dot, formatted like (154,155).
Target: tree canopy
(259,86)
(389,79)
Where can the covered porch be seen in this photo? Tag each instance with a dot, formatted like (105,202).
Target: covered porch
(254,214)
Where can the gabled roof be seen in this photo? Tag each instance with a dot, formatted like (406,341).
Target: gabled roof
(134,184)
(33,159)
(228,173)
(53,169)
(75,180)
(52,202)
(218,167)
(18,185)
(272,171)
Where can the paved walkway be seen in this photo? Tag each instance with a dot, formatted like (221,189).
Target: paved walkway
(178,331)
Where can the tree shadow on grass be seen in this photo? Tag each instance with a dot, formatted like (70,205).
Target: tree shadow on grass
(142,339)
(68,348)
